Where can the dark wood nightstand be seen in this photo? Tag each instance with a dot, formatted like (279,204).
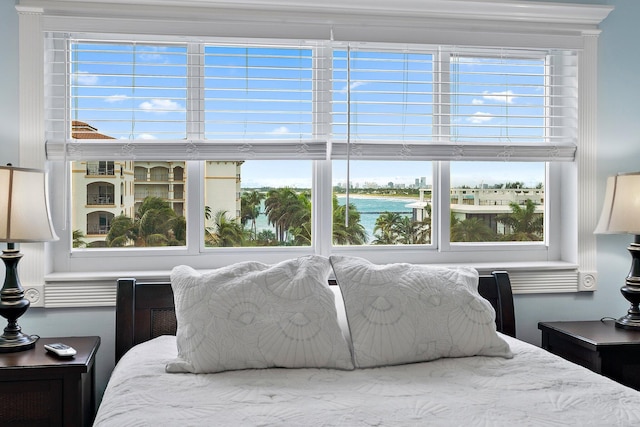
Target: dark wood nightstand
(38,389)
(596,345)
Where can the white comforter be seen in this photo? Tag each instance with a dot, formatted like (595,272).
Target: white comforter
(534,388)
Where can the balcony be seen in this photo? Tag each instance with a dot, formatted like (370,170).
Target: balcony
(100,199)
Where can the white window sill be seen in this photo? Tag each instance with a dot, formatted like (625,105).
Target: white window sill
(98,288)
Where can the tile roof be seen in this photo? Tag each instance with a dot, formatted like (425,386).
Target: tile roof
(82,130)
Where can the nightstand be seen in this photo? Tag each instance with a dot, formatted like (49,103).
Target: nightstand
(39,389)
(598,346)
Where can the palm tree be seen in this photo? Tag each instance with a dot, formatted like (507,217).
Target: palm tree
(250,209)
(523,224)
(386,224)
(226,232)
(121,232)
(412,232)
(155,224)
(471,230)
(343,234)
(283,209)
(179,231)
(154,221)
(300,220)
(78,239)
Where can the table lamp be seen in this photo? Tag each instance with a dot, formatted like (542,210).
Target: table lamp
(621,215)
(24,217)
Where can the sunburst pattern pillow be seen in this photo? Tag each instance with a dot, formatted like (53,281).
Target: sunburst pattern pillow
(254,315)
(403,313)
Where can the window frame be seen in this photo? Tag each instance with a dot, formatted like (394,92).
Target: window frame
(579,29)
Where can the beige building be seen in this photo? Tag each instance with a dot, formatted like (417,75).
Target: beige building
(103,190)
(483,203)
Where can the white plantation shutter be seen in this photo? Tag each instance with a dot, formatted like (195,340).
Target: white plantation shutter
(237,100)
(455,104)
(180,101)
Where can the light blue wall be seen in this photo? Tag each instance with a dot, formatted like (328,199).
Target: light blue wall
(8,83)
(619,151)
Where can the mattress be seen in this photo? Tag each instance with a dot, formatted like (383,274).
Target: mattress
(535,388)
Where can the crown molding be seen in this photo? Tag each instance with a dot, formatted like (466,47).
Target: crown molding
(571,14)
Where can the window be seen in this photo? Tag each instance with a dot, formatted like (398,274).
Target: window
(433,123)
(389,107)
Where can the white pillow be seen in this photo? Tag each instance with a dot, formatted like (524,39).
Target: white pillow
(254,315)
(403,313)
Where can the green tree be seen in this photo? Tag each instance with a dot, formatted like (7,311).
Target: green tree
(121,232)
(225,232)
(78,239)
(343,234)
(250,209)
(266,238)
(300,220)
(286,210)
(522,224)
(155,224)
(154,221)
(412,232)
(471,230)
(386,228)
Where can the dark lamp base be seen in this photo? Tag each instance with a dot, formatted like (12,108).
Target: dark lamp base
(628,322)
(631,290)
(15,343)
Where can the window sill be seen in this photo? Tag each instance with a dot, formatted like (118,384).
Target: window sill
(98,288)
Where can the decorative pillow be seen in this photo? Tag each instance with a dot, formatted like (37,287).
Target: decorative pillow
(403,313)
(254,315)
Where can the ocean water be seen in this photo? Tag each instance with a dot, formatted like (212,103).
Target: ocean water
(370,209)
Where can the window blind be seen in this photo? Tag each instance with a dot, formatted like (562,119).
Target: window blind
(241,100)
(455,104)
(180,101)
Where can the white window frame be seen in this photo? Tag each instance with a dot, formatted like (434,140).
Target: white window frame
(425,21)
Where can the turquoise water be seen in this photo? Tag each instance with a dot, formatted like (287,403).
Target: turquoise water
(369,208)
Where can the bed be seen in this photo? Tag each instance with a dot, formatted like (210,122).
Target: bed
(528,386)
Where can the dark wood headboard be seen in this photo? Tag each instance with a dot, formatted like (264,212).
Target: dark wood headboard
(145,310)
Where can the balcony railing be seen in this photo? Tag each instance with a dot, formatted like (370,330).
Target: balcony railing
(95,170)
(100,199)
(98,229)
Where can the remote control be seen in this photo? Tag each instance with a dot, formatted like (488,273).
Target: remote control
(60,350)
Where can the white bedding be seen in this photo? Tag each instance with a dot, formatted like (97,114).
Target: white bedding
(534,388)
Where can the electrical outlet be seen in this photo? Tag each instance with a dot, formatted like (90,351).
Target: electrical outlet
(35,295)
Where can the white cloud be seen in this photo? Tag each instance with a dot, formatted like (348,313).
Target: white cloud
(160,105)
(480,117)
(146,136)
(85,79)
(116,98)
(280,130)
(501,97)
(352,86)
(477,101)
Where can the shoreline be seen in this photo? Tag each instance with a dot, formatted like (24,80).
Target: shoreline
(402,197)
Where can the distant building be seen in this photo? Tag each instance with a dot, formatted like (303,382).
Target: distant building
(483,203)
(103,190)
(487,203)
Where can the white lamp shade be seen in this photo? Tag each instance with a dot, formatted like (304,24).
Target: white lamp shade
(621,208)
(24,207)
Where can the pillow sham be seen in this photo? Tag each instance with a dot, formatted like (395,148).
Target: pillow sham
(254,315)
(404,313)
